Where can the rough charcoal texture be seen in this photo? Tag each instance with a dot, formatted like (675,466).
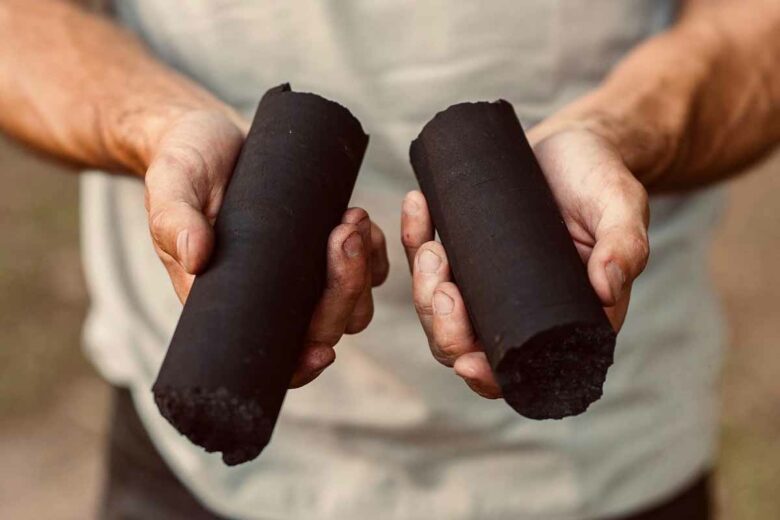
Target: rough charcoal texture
(231,358)
(527,292)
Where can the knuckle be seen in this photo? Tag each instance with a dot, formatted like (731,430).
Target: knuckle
(423,308)
(157,223)
(448,348)
(635,191)
(441,356)
(349,284)
(623,185)
(638,198)
(640,193)
(171,161)
(192,160)
(640,248)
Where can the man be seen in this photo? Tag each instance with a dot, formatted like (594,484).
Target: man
(386,433)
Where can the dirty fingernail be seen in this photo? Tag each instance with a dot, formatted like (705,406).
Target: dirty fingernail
(442,303)
(429,261)
(353,245)
(616,279)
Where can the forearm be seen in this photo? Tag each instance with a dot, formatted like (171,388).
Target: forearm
(78,87)
(694,104)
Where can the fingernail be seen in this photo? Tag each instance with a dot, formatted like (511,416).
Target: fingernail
(442,303)
(429,261)
(353,245)
(410,206)
(616,280)
(181,247)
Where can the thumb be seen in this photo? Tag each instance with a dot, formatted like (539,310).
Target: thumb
(620,254)
(176,219)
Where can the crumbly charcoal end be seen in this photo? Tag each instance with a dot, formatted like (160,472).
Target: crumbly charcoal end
(557,373)
(217,421)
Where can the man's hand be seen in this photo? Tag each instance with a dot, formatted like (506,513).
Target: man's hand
(606,211)
(185,185)
(686,108)
(81,88)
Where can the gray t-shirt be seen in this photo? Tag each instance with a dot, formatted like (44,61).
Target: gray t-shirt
(388,433)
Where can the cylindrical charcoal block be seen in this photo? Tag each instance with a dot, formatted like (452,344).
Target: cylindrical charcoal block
(237,342)
(526,289)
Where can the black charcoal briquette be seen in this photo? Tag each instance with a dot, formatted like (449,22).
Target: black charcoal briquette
(235,347)
(526,289)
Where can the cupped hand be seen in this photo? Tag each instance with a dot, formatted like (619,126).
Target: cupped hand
(606,211)
(185,185)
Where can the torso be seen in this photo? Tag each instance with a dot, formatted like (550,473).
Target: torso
(387,432)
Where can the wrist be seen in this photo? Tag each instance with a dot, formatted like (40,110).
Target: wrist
(645,107)
(133,131)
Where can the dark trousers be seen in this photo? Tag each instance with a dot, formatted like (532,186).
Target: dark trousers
(140,486)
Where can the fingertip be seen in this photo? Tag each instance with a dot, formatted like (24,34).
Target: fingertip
(339,237)
(319,358)
(355,216)
(468,366)
(600,282)
(183,232)
(612,268)
(194,247)
(362,316)
(475,370)
(313,362)
(618,258)
(348,268)
(413,203)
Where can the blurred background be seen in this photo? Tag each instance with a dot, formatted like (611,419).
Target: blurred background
(53,407)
